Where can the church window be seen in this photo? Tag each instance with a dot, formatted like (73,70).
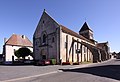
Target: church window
(43,21)
(91,36)
(84,49)
(44,38)
(36,43)
(43,56)
(75,47)
(40,40)
(53,40)
(65,44)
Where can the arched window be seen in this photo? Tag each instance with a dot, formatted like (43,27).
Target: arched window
(53,40)
(40,40)
(44,38)
(43,54)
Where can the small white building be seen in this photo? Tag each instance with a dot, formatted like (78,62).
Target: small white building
(14,43)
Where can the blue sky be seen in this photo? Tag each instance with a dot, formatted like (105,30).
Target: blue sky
(22,16)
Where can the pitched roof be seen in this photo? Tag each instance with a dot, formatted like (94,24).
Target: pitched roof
(85,27)
(19,40)
(47,15)
(102,44)
(66,30)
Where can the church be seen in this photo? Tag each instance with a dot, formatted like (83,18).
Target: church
(52,40)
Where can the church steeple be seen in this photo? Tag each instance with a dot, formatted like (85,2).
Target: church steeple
(85,27)
(86,31)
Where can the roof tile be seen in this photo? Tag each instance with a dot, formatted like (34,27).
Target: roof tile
(19,40)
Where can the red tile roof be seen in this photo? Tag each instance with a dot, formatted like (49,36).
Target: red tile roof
(19,40)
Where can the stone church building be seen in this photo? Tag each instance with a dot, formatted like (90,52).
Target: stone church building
(52,40)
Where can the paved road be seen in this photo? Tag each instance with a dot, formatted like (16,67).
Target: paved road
(13,72)
(102,72)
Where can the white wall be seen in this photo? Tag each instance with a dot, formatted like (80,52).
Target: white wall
(85,55)
(10,52)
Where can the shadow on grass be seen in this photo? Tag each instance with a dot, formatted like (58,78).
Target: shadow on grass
(109,71)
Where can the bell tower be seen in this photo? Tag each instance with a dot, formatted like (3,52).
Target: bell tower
(86,31)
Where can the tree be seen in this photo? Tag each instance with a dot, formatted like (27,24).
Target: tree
(17,54)
(23,52)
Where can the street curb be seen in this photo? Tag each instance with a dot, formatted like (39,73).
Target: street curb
(87,65)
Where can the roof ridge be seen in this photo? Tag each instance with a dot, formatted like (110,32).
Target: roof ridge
(18,40)
(75,33)
(50,16)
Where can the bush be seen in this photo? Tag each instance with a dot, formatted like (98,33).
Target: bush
(53,61)
(65,63)
(75,63)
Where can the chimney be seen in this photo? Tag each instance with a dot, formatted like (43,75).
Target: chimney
(23,36)
(5,40)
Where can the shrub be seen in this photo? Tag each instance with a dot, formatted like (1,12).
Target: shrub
(53,61)
(65,63)
(75,63)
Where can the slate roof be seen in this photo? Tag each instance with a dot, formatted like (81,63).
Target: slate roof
(19,40)
(85,27)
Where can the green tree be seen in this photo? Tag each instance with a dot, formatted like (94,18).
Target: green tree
(23,52)
(17,54)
